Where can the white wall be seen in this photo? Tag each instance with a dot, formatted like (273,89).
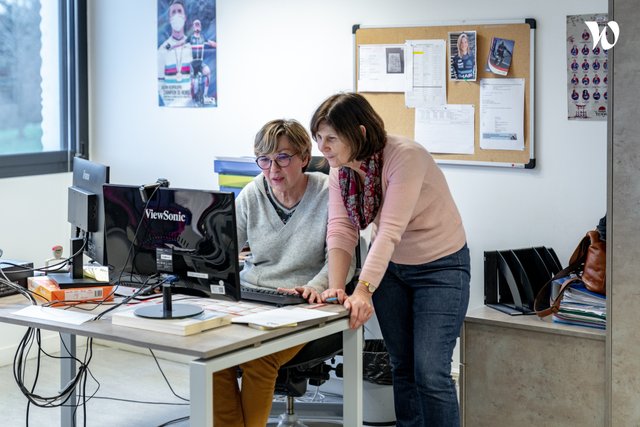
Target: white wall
(281,58)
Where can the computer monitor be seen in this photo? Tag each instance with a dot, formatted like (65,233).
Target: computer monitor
(89,177)
(85,214)
(190,234)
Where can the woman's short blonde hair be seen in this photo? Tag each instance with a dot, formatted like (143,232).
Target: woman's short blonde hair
(266,141)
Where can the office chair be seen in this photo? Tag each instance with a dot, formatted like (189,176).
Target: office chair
(310,365)
(318,164)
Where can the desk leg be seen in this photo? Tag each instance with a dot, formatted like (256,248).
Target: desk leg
(67,373)
(201,395)
(352,377)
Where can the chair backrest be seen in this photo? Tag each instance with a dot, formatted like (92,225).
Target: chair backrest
(318,164)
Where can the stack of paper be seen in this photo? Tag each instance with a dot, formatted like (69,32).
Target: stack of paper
(579,306)
(281,317)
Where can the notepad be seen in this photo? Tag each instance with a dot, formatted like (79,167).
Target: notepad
(281,317)
(54,314)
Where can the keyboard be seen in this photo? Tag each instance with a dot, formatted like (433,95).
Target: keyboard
(270,296)
(128,287)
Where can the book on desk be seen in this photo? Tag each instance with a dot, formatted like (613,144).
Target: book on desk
(187,326)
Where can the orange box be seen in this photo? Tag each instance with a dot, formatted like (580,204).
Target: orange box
(47,289)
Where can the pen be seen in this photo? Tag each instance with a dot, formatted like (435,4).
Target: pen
(332,299)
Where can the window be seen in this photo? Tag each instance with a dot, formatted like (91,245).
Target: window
(43,85)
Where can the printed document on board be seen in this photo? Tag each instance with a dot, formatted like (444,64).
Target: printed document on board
(502,114)
(381,68)
(446,129)
(426,77)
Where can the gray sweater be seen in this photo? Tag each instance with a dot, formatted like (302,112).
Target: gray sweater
(284,255)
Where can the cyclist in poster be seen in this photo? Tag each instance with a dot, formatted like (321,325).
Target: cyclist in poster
(187,53)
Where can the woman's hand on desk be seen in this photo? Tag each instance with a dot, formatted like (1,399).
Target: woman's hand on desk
(311,295)
(361,307)
(334,295)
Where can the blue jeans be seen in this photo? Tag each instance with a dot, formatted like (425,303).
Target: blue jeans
(420,309)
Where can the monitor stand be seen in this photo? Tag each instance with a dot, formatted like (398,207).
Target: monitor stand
(75,277)
(168,310)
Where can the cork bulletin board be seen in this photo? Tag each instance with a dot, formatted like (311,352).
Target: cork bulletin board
(400,119)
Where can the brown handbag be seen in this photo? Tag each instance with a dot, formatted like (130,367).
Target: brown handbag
(587,264)
(591,257)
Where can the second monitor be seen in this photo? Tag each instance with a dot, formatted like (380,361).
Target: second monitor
(190,234)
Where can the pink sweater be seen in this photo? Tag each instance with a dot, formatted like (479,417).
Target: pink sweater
(418,220)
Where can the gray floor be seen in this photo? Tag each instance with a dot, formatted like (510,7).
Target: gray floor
(131,376)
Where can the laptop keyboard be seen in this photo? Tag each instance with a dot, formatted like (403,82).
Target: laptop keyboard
(270,296)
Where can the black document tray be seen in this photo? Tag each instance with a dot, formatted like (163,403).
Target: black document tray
(513,278)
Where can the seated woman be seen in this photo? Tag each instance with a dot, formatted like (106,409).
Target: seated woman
(279,215)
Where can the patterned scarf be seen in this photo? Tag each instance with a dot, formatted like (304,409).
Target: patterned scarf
(362,204)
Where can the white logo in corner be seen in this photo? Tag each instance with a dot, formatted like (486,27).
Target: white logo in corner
(597,36)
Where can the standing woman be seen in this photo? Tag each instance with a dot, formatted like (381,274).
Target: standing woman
(417,269)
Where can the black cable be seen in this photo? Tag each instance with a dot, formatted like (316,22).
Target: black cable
(146,287)
(79,382)
(177,420)
(47,269)
(135,235)
(143,402)
(62,398)
(31,339)
(165,377)
(27,293)
(20,365)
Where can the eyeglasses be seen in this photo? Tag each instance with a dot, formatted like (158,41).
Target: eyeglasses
(282,159)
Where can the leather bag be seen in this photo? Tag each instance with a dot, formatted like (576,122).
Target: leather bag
(587,264)
(590,258)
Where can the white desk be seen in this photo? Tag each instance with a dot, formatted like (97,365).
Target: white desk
(212,351)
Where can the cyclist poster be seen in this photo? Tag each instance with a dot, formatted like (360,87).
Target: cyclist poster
(187,47)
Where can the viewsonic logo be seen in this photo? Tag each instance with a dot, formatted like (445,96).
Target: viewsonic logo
(593,27)
(165,215)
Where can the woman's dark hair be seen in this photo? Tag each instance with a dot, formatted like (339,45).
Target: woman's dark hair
(345,113)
